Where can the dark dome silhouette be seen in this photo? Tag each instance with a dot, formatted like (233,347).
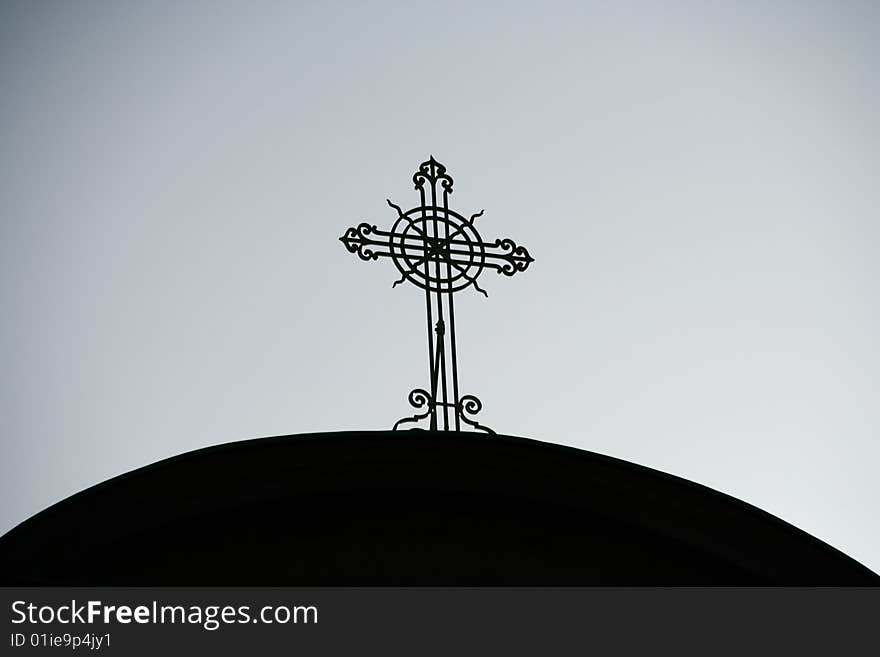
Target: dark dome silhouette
(417,508)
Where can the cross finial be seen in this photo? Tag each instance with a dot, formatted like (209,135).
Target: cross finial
(441,252)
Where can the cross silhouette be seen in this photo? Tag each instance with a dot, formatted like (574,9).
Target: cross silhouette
(440,251)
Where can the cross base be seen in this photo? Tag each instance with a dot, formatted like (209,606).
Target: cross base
(467,405)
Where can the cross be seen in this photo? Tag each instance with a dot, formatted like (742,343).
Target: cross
(441,252)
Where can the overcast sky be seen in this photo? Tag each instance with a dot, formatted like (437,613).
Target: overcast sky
(697,182)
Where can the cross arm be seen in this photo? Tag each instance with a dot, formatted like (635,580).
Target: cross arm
(367,241)
(506,257)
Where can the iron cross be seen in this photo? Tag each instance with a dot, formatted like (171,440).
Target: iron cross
(441,252)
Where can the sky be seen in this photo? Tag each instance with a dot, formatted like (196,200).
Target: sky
(697,183)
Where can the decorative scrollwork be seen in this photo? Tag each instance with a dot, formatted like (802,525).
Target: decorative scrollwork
(471,405)
(418,398)
(358,240)
(515,258)
(432,172)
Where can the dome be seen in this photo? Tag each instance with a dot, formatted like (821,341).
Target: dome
(413,508)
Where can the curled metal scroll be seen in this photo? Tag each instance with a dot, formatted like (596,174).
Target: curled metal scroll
(418,398)
(471,405)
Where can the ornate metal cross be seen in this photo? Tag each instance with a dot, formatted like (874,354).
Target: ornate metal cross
(440,251)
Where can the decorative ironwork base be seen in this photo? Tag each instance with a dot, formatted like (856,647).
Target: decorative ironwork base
(467,405)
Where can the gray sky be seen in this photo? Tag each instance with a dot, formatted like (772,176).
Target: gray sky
(698,184)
